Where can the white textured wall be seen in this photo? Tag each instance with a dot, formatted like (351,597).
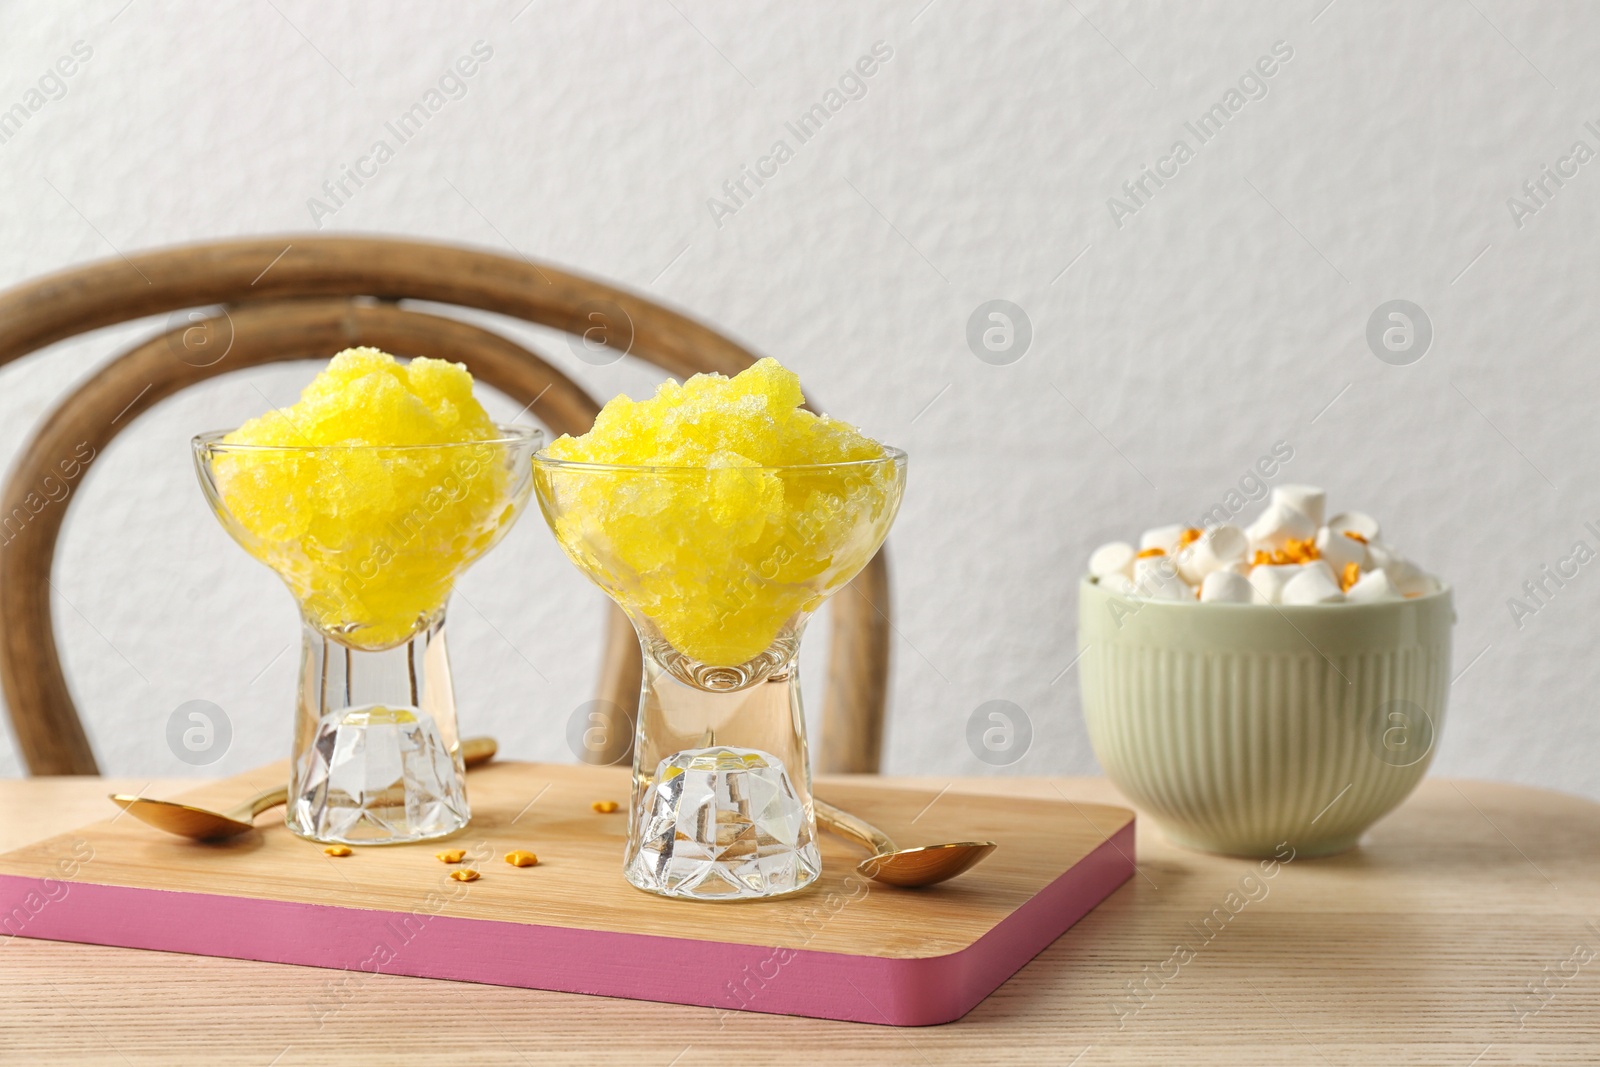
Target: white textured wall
(1225,314)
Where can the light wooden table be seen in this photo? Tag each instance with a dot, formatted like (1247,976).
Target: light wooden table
(1419,948)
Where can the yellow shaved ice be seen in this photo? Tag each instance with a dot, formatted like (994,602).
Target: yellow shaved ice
(756,509)
(369,537)
(753,419)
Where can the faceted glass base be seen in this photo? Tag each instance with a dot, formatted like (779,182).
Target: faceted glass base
(378,775)
(723,823)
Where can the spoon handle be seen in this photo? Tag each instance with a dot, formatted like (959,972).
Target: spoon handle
(262,801)
(476,750)
(853,827)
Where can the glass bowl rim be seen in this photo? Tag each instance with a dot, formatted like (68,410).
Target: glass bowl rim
(891,457)
(211,442)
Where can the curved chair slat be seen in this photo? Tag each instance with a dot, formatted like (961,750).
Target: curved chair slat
(251,269)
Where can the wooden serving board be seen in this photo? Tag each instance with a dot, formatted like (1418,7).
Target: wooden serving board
(845,948)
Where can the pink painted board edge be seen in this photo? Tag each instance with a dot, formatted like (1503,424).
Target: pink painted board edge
(826,985)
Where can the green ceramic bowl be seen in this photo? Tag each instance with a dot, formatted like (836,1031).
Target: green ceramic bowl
(1244,727)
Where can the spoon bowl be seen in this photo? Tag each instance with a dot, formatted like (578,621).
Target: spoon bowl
(907,868)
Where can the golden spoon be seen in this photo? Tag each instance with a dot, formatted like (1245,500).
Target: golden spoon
(185,820)
(904,867)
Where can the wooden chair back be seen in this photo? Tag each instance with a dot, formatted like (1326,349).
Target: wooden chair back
(278,300)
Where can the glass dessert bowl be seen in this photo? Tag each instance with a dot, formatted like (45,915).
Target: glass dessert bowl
(370,540)
(720,568)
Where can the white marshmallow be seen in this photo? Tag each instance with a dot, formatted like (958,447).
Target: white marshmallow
(1312,586)
(1242,568)
(1268,580)
(1308,500)
(1217,548)
(1410,579)
(1380,555)
(1163,537)
(1356,522)
(1339,550)
(1155,577)
(1279,525)
(1116,582)
(1113,558)
(1373,585)
(1226,587)
(1321,565)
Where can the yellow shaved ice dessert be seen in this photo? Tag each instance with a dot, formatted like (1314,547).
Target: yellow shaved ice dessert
(341,499)
(751,511)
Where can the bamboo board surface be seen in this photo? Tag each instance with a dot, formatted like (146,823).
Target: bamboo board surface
(846,948)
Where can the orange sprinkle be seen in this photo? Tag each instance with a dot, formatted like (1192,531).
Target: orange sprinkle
(520,858)
(1188,537)
(465,874)
(1355,536)
(1302,551)
(337,850)
(1351,575)
(1263,558)
(604,807)
(1306,550)
(451,855)
(1147,553)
